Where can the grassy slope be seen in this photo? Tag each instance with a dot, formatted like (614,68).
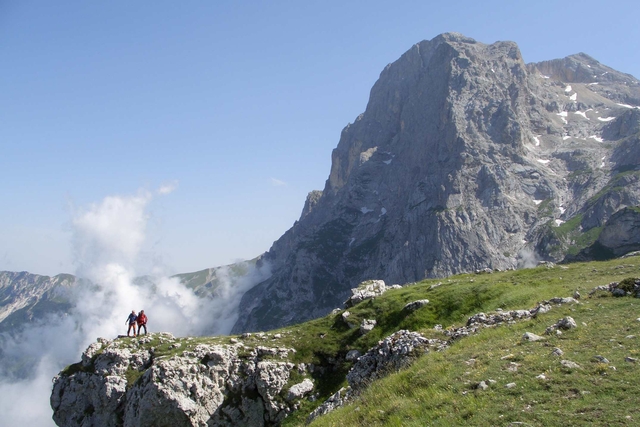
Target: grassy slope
(440,388)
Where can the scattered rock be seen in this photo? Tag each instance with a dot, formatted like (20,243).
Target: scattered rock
(298,391)
(510,385)
(557,352)
(366,290)
(412,306)
(569,364)
(338,399)
(528,336)
(601,359)
(367,326)
(482,386)
(565,323)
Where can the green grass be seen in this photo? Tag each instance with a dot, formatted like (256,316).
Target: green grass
(439,388)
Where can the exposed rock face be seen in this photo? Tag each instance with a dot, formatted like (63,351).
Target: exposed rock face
(619,236)
(222,385)
(464,159)
(25,297)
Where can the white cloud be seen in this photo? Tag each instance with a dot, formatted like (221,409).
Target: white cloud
(278,183)
(108,238)
(168,188)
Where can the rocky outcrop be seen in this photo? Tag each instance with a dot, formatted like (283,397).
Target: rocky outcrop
(161,381)
(619,236)
(465,158)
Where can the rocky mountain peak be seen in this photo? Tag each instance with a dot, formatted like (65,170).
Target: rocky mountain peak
(465,158)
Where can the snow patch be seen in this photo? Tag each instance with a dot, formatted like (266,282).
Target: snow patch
(629,106)
(559,222)
(597,138)
(383,211)
(387,162)
(568,88)
(544,162)
(573,97)
(582,113)
(562,210)
(544,77)
(606,119)
(537,140)
(562,116)
(353,239)
(365,210)
(537,202)
(592,84)
(564,138)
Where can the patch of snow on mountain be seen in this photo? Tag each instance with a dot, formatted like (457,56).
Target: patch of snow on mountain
(568,88)
(537,140)
(592,84)
(558,222)
(383,211)
(353,239)
(387,162)
(606,119)
(597,138)
(365,210)
(583,114)
(562,116)
(574,97)
(564,138)
(537,202)
(544,162)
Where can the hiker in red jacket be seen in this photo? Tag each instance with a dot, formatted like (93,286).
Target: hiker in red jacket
(142,322)
(131,320)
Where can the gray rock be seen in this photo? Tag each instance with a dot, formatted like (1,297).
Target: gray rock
(394,352)
(298,391)
(482,385)
(367,325)
(529,336)
(569,364)
(366,290)
(337,400)
(413,306)
(190,388)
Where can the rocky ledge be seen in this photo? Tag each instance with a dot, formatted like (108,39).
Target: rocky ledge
(158,380)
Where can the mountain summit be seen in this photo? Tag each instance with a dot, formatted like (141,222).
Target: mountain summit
(465,158)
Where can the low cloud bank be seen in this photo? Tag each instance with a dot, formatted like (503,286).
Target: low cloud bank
(108,238)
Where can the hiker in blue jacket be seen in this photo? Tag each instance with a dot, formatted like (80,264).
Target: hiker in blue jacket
(132,322)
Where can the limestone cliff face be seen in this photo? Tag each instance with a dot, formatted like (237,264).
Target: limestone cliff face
(465,158)
(158,380)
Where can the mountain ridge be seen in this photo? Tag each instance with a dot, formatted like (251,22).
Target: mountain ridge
(464,158)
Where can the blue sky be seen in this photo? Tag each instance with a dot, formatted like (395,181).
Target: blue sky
(234,105)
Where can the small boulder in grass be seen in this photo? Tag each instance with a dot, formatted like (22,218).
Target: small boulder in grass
(413,306)
(529,336)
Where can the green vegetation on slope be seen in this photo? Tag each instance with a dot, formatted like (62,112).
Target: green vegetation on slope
(441,387)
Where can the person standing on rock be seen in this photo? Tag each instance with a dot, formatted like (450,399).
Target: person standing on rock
(142,322)
(132,322)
